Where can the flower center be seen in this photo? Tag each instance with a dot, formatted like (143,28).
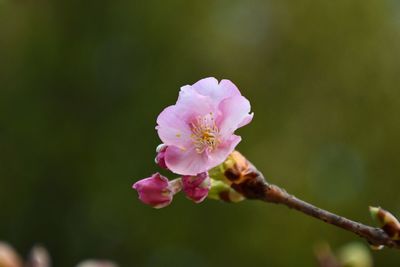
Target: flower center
(205,133)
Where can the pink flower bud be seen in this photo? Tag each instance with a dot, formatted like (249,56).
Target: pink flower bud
(196,187)
(156,190)
(160,158)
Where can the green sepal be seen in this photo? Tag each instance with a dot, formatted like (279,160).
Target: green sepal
(221,191)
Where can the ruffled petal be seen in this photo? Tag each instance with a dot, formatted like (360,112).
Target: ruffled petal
(172,129)
(220,154)
(210,87)
(229,88)
(234,114)
(191,104)
(185,162)
(207,86)
(246,120)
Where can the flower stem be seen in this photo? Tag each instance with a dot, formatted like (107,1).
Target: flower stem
(248,181)
(375,236)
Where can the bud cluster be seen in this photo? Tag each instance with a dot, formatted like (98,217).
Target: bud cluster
(157,191)
(218,183)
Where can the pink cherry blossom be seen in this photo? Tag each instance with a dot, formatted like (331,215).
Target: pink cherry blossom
(199,129)
(196,187)
(157,191)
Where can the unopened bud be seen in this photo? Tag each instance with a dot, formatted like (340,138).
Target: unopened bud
(196,187)
(156,190)
(388,222)
(161,147)
(236,167)
(160,158)
(232,170)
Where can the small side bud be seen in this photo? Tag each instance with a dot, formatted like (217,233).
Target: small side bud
(156,190)
(236,167)
(196,187)
(374,211)
(388,222)
(232,170)
(161,147)
(160,158)
(221,191)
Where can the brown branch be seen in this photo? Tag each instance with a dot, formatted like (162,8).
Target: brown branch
(247,180)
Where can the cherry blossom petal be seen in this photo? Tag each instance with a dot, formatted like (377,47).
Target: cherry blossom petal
(246,120)
(229,88)
(191,104)
(172,128)
(235,113)
(210,87)
(186,162)
(219,155)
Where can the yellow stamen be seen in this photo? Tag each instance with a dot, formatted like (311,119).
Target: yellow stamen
(205,134)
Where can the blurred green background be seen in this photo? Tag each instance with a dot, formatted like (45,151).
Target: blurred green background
(83,81)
